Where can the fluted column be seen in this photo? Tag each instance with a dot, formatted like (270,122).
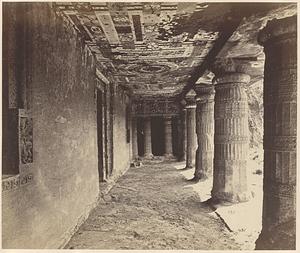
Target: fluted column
(279,39)
(191,132)
(205,131)
(168,137)
(134,139)
(183,124)
(182,132)
(231,132)
(147,140)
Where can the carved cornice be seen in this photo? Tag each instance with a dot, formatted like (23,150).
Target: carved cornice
(278,29)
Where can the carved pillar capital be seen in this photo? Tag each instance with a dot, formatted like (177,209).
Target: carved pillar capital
(190,102)
(204,93)
(182,104)
(167,118)
(279,30)
(230,72)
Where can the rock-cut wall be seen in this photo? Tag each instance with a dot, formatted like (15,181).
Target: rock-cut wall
(54,77)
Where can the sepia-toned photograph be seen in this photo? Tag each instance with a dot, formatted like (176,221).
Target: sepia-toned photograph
(149,125)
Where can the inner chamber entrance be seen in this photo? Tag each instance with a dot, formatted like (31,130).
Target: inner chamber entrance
(157,136)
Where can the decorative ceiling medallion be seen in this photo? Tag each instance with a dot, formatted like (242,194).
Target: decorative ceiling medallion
(153,68)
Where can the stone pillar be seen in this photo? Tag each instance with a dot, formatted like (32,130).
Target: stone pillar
(205,131)
(190,132)
(168,137)
(279,39)
(134,139)
(231,132)
(147,141)
(183,129)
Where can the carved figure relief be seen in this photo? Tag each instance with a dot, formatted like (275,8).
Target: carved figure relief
(26,140)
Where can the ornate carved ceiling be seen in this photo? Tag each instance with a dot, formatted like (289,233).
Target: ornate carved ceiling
(153,48)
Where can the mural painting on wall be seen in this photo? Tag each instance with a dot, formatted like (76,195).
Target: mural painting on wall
(26,140)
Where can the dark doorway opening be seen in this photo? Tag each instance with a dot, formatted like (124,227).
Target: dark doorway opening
(157,136)
(175,137)
(102,174)
(140,135)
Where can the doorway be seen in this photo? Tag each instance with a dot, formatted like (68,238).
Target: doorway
(140,135)
(102,174)
(175,137)
(157,136)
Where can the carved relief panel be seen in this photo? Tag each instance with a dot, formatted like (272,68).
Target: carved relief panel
(155,107)
(25,138)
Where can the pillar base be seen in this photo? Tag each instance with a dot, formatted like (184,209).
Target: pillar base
(169,156)
(282,237)
(181,159)
(230,197)
(198,178)
(187,167)
(148,156)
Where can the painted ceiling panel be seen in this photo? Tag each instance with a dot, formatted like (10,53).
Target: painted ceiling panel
(155,47)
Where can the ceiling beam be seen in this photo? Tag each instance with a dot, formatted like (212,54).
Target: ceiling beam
(226,30)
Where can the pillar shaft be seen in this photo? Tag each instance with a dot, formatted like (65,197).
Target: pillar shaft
(279,39)
(147,140)
(231,136)
(183,124)
(134,139)
(205,132)
(168,136)
(190,134)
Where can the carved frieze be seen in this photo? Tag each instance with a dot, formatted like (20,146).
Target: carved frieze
(15,182)
(155,107)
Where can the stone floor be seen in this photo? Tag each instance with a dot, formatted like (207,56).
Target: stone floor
(153,207)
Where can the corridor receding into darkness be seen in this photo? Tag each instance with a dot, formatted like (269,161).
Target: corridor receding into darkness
(149,125)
